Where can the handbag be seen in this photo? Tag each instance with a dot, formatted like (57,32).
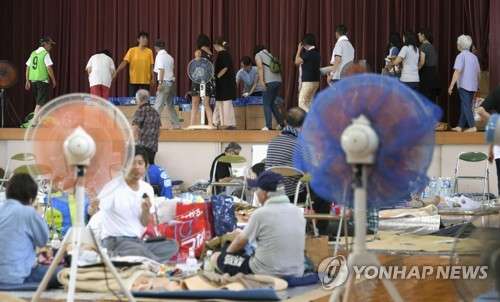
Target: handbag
(274,65)
(224,214)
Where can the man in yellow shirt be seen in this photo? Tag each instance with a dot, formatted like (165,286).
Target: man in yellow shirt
(141,62)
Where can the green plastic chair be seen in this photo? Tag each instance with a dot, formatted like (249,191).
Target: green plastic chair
(480,158)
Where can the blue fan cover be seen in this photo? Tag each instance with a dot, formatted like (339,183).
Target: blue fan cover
(404,122)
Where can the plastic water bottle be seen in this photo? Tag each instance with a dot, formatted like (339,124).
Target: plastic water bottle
(432,185)
(55,244)
(191,263)
(447,186)
(207,263)
(440,187)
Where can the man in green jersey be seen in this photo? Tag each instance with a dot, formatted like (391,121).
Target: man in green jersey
(38,72)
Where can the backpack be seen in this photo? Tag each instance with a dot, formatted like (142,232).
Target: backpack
(274,65)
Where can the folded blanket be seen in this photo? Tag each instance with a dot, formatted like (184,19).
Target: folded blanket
(429,210)
(98,279)
(213,281)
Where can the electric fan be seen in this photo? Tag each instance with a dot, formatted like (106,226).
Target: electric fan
(355,67)
(201,71)
(367,139)
(86,142)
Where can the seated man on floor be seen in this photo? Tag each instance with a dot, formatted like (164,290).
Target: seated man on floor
(126,206)
(22,229)
(272,226)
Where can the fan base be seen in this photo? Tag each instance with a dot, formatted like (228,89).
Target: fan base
(362,258)
(201,127)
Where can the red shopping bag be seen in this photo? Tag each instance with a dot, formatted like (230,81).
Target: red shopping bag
(197,211)
(188,234)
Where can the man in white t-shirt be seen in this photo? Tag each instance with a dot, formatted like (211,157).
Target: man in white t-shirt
(100,68)
(126,209)
(343,53)
(164,67)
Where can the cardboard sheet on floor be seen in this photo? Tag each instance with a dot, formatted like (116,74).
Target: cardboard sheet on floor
(262,294)
(391,241)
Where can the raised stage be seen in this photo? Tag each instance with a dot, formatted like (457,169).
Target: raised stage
(187,154)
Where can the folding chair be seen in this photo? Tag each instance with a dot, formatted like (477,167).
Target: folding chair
(230,159)
(473,158)
(305,179)
(20,157)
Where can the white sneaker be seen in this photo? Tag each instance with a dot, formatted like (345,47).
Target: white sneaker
(279,127)
(265,128)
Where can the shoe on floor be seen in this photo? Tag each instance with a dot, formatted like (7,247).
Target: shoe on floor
(230,128)
(473,129)
(265,128)
(456,129)
(279,127)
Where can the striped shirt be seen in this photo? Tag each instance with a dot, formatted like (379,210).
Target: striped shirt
(280,152)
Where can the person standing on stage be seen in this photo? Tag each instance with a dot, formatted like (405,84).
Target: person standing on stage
(164,67)
(100,69)
(141,61)
(343,53)
(309,61)
(38,72)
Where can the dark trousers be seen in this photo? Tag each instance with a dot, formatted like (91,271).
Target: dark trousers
(320,206)
(497,163)
(133,88)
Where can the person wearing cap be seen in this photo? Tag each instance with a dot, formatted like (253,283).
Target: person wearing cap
(100,69)
(223,171)
(38,73)
(140,60)
(270,228)
(164,67)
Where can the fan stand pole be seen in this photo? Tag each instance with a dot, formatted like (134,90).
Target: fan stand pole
(360,255)
(79,234)
(202,96)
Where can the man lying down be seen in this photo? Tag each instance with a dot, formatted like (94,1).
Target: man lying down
(278,228)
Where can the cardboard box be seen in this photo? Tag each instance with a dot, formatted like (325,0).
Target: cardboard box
(240,114)
(255,117)
(185,118)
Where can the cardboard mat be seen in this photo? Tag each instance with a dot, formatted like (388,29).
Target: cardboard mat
(390,241)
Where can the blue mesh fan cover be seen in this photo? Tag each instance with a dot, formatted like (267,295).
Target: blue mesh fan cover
(404,122)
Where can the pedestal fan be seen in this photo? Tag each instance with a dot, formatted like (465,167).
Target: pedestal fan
(368,139)
(201,71)
(8,78)
(86,141)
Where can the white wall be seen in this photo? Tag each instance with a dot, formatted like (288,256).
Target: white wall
(191,161)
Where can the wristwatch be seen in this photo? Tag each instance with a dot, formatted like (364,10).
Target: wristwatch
(160,82)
